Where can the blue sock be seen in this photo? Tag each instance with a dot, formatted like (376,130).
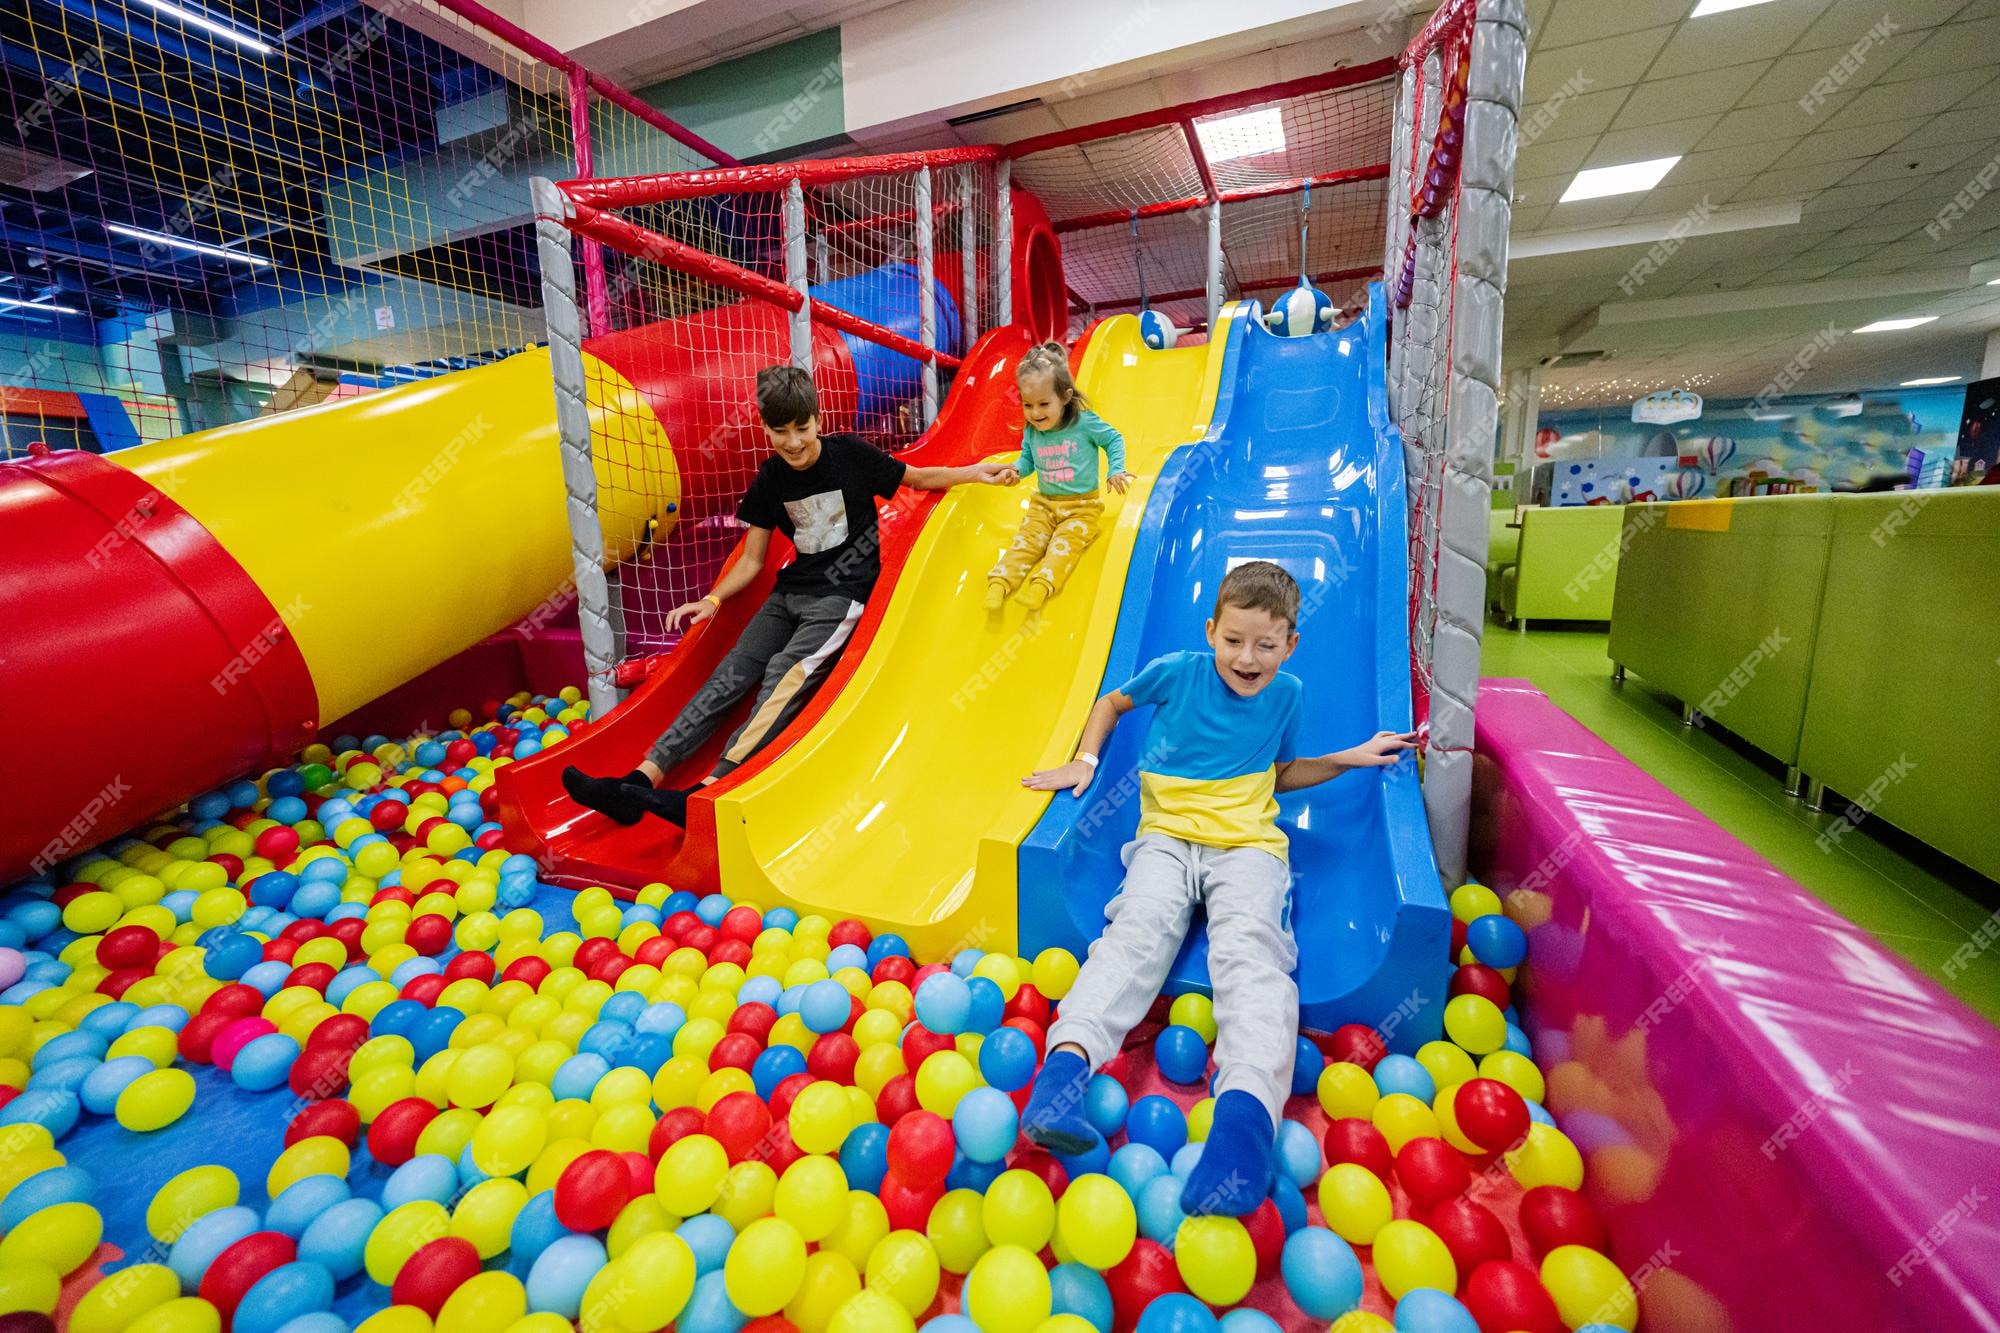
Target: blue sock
(1237,1164)
(1054,1115)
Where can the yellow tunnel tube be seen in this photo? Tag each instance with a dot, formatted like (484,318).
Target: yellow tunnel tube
(393,531)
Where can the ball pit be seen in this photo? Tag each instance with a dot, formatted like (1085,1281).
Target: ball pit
(460,1100)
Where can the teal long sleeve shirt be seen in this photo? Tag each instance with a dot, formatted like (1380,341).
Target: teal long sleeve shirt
(1064,460)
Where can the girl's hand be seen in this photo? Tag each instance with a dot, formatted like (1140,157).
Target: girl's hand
(690,614)
(994,474)
(1379,750)
(1008,477)
(1118,481)
(1075,775)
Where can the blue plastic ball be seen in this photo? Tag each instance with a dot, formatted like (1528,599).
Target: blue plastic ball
(58,1184)
(950,1323)
(1400,1073)
(773,1067)
(1105,1104)
(986,1124)
(208,1237)
(227,954)
(709,1238)
(1080,1290)
(282,1295)
(1321,1272)
(284,782)
(53,1110)
(1298,1153)
(709,1309)
(778,918)
(338,1237)
(1181,1054)
(1518,1043)
(535,1229)
(989,1004)
(1007,1059)
(561,1272)
(1429,1311)
(1307,1065)
(1185,1161)
(943,1003)
(1248,1321)
(965,960)
(864,1155)
(1157,1123)
(1159,1208)
(826,1006)
(102,1085)
(966,1174)
(1091,1161)
(264,1062)
(1496,941)
(1177,1312)
(432,1033)
(882,946)
(847,955)
(666,1018)
(301,1203)
(274,889)
(1291,1203)
(1135,1165)
(425,1176)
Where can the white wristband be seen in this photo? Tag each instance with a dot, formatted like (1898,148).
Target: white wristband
(1090,759)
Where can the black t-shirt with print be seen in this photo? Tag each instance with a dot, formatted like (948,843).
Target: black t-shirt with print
(828,512)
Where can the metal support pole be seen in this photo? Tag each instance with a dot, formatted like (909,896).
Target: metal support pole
(1795,781)
(596,614)
(822,256)
(1214,262)
(1003,246)
(593,255)
(968,257)
(795,274)
(926,293)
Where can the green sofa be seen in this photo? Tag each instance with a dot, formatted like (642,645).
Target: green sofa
(1903,717)
(1717,603)
(1566,566)
(1503,548)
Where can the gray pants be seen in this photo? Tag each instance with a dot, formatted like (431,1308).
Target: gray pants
(790,645)
(1251,954)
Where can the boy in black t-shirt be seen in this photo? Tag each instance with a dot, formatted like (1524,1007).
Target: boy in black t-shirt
(821,494)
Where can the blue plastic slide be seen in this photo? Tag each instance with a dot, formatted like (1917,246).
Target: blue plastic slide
(1301,467)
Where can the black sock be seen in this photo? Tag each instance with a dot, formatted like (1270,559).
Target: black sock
(669,803)
(615,798)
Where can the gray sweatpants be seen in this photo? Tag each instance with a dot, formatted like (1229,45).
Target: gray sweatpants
(791,645)
(1251,954)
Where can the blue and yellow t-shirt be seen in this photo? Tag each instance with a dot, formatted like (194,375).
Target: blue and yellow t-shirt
(1208,772)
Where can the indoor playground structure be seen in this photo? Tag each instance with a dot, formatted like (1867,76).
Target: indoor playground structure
(322,1008)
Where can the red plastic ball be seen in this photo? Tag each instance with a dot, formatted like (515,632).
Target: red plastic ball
(1490,1113)
(592,1190)
(787,1092)
(236,1269)
(920,1044)
(894,968)
(319,1072)
(1039,1034)
(424,989)
(128,946)
(386,815)
(1481,980)
(392,1138)
(592,952)
(1457,937)
(848,931)
(921,1145)
(1470,1231)
(771,1323)
(742,923)
(197,1036)
(474,963)
(674,1126)
(1431,1171)
(280,950)
(1358,1044)
(754,1019)
(346,1031)
(730,951)
(654,952)
(232,864)
(348,932)
(736,1050)
(643,1172)
(1357,1141)
(897,1099)
(278,844)
(739,1123)
(700,935)
(1140,1278)
(780,1151)
(317,976)
(1552,1216)
(433,1273)
(909,1205)
(429,935)
(305,928)
(236,1000)
(1507,1297)
(680,923)
(1267,1236)
(394,893)
(833,1057)
(1028,1003)
(1039,1162)
(533,971)
(336,1119)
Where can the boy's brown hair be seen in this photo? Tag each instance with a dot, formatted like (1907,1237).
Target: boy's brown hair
(1260,585)
(785,396)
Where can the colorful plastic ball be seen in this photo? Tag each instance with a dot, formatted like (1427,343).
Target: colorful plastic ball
(1400,1073)
(1357,1044)
(957,1230)
(62,1184)
(1552,1217)
(943,1003)
(1216,1259)
(1007,1291)
(1431,1171)
(1246,1320)
(1146,1275)
(1429,1311)
(1180,1054)
(765,1266)
(904,1267)
(1347,1092)
(821,1117)
(1076,1289)
(110,1307)
(1007,1059)
(864,1156)
(1354,1202)
(985,1124)
(1157,1123)
(1546,1157)
(1158,1206)
(561,1272)
(302,1203)
(1479,979)
(1475,1023)
(60,1235)
(1105,1103)
(1135,1165)
(812,1196)
(1470,1231)
(1490,1113)
(1507,1295)
(1019,1211)
(287,1292)
(1097,1221)
(1588,1288)
(1298,1153)
(593,1190)
(1054,972)
(200,1242)
(1177,1312)
(825,1006)
(1359,1142)
(1321,1273)
(1408,1255)
(1496,941)
(942,1080)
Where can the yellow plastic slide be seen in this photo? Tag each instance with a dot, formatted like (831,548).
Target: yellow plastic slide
(903,807)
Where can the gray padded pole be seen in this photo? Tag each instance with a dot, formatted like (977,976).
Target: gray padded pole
(1214,263)
(1003,245)
(795,273)
(926,292)
(595,613)
(968,256)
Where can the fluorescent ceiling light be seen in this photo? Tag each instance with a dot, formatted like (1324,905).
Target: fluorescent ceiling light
(1248,135)
(1707,7)
(194,19)
(181,243)
(1892,325)
(10,304)
(1600,182)
(1994,283)
(1929,380)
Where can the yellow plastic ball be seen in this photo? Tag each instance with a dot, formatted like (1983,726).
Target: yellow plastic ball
(644,1216)
(812,1196)
(1517,1071)
(1409,1255)
(189,1197)
(1447,1065)
(485,1215)
(690,1175)
(483,1303)
(904,1267)
(30,1287)
(829,1281)
(1019,1211)
(957,1230)
(821,1117)
(401,1234)
(398,1319)
(863,1224)
(943,1079)
(183,1314)
(660,1271)
(1347,1091)
(765,1266)
(1354,1202)
(1589,1288)
(155,1100)
(1095,1219)
(1401,1118)
(1197,1012)
(1444,1107)
(1002,971)
(678,1082)
(508,1141)
(1215,1258)
(1546,1157)
(321,1155)
(1055,972)
(1361,1321)
(112,1305)
(1007,1291)
(749,1191)
(1475,1023)
(871,1312)
(1469,902)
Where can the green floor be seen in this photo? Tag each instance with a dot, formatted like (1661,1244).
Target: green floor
(1918,903)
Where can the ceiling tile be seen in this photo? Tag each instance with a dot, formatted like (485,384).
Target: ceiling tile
(1576,21)
(1965,125)
(1919,97)
(1586,113)
(1794,77)
(1647,143)
(1747,126)
(1723,163)
(1847,21)
(1953,47)
(1854,196)
(1659,100)
(1561,158)
(1760,32)
(1610,62)
(1841,145)
(1794,183)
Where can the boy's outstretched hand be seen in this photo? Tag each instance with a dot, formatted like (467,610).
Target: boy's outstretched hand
(1075,776)
(1379,750)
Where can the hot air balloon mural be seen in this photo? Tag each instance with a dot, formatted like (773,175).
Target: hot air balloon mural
(1717,452)
(1686,484)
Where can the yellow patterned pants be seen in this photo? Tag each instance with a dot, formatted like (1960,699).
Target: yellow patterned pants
(1057,531)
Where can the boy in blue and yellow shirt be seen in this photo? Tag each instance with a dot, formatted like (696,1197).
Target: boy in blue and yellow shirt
(1221,746)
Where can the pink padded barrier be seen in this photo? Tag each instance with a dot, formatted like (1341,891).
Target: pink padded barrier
(1784,1126)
